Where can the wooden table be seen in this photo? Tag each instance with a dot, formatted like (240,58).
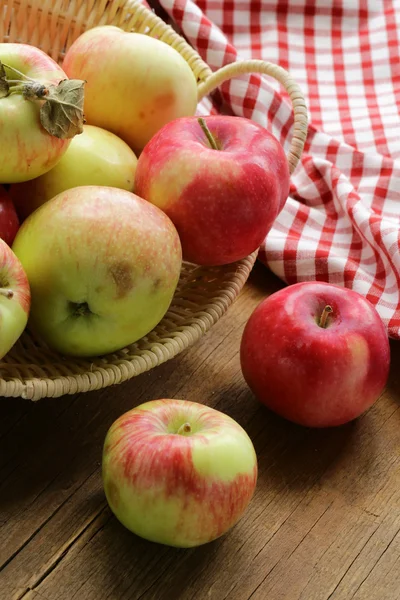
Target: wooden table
(324,522)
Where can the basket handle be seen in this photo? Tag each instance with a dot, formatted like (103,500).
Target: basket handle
(296,96)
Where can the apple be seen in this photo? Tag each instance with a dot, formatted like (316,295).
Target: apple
(316,353)
(29,101)
(178,472)
(222,180)
(14,299)
(9,222)
(95,157)
(135,83)
(103,265)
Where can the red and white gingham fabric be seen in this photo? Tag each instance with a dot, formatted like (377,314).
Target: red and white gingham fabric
(341,222)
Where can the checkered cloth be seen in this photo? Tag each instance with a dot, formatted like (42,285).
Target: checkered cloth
(341,221)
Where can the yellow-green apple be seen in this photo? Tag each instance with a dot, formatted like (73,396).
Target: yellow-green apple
(316,353)
(9,222)
(103,265)
(135,83)
(222,180)
(178,472)
(30,96)
(14,298)
(95,157)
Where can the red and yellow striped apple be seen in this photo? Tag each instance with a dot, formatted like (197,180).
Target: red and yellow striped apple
(95,157)
(221,180)
(103,266)
(135,83)
(178,472)
(316,353)
(15,299)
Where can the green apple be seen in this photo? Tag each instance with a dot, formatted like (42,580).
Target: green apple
(95,157)
(14,298)
(103,265)
(178,472)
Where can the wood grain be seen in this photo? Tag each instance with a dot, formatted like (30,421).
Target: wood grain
(324,523)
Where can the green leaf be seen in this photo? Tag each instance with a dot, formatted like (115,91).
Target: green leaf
(4,87)
(62,112)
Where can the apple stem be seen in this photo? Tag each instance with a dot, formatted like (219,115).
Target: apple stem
(184,428)
(208,133)
(323,321)
(6,292)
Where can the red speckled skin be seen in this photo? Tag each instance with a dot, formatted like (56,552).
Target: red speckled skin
(156,467)
(315,376)
(13,276)
(14,310)
(9,222)
(222,202)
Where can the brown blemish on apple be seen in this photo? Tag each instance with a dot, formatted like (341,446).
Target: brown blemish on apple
(121,273)
(141,114)
(157,284)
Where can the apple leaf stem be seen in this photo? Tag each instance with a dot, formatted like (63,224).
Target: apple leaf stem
(6,292)
(19,73)
(323,321)
(61,108)
(184,428)
(208,133)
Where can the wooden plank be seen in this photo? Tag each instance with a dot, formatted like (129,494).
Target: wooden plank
(20,437)
(279,518)
(323,524)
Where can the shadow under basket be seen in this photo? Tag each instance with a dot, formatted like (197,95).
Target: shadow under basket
(31,370)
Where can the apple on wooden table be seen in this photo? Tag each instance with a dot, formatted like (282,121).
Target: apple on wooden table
(95,157)
(178,472)
(316,353)
(14,299)
(135,83)
(103,266)
(222,180)
(35,129)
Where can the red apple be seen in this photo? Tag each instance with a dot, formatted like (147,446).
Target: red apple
(178,472)
(9,222)
(222,188)
(316,353)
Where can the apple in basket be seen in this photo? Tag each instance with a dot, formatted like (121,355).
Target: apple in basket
(178,472)
(9,222)
(222,180)
(135,83)
(95,157)
(316,353)
(103,265)
(35,129)
(14,299)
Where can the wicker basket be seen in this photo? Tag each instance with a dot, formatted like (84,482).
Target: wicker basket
(203,295)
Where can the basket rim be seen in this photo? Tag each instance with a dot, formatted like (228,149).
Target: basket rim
(107,374)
